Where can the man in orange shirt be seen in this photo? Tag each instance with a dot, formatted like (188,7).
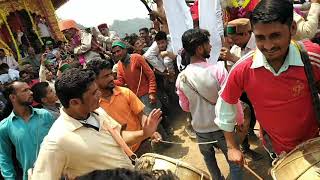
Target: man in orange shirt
(120,102)
(134,71)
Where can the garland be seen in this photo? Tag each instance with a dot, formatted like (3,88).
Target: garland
(11,35)
(235,3)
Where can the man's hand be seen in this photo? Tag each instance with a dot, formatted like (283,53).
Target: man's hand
(169,54)
(156,137)
(149,127)
(43,59)
(164,53)
(153,98)
(236,156)
(227,56)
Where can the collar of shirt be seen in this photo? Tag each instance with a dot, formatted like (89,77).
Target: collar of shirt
(251,45)
(116,92)
(13,115)
(99,114)
(293,59)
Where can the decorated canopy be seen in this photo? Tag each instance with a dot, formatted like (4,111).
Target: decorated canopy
(43,8)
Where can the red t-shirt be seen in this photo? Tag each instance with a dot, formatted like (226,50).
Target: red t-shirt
(283,103)
(130,75)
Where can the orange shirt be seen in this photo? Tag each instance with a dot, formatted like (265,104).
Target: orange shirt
(130,75)
(125,107)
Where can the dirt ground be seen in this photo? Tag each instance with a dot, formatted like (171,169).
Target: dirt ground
(189,151)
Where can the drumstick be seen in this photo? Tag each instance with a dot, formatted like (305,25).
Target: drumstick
(252,172)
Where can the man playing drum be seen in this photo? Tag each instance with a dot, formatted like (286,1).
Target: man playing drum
(85,138)
(274,79)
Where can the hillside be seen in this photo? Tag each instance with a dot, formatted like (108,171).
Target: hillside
(129,26)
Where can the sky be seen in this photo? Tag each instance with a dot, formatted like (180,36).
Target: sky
(91,13)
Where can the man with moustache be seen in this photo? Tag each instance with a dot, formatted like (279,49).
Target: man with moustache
(85,138)
(274,79)
(23,130)
(106,37)
(134,71)
(120,103)
(197,87)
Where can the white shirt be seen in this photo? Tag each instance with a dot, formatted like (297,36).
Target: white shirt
(12,75)
(207,79)
(153,57)
(12,63)
(237,51)
(44,30)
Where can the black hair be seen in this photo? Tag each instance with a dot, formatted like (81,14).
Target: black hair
(39,91)
(126,174)
(96,65)
(133,38)
(193,38)
(23,71)
(268,11)
(145,29)
(4,66)
(160,36)
(73,84)
(9,89)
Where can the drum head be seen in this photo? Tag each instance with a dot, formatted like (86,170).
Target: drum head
(150,162)
(301,163)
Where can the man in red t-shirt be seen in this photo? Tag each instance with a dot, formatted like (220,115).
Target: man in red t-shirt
(274,79)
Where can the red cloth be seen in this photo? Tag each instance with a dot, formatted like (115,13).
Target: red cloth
(250,7)
(32,83)
(283,103)
(130,75)
(195,10)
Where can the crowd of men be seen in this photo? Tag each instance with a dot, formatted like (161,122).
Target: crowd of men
(96,102)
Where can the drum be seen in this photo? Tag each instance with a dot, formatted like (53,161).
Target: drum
(150,162)
(302,163)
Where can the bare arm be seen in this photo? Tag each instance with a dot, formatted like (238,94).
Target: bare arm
(148,128)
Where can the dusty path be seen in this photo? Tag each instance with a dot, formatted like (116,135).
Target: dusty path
(189,151)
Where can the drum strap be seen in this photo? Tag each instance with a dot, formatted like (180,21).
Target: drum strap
(311,80)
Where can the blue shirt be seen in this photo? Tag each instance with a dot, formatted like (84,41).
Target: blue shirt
(26,138)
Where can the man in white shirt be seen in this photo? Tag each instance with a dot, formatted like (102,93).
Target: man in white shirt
(12,63)
(239,31)
(307,28)
(160,55)
(7,75)
(44,30)
(83,138)
(106,37)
